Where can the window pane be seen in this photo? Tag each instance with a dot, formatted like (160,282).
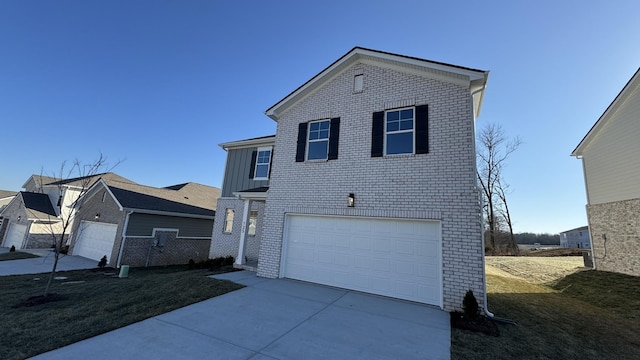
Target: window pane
(406,114)
(228,220)
(324,134)
(392,126)
(406,124)
(392,115)
(400,143)
(318,150)
(262,171)
(313,135)
(253,221)
(314,126)
(324,125)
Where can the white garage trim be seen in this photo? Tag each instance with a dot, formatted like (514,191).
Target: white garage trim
(15,235)
(394,257)
(95,240)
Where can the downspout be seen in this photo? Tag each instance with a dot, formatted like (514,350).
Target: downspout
(124,238)
(485,307)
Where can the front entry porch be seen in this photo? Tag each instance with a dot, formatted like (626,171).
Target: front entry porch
(251,230)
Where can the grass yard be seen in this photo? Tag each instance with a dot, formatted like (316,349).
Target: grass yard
(16,255)
(94,302)
(582,315)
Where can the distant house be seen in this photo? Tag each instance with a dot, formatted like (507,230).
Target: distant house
(610,154)
(139,225)
(576,238)
(34,216)
(371,182)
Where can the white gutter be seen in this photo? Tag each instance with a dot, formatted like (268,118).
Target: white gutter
(124,238)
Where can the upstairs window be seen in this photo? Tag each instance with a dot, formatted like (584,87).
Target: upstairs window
(318,146)
(318,140)
(263,162)
(399,132)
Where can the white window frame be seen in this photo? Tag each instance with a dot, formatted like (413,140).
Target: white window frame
(309,141)
(253,218)
(228,224)
(268,163)
(412,131)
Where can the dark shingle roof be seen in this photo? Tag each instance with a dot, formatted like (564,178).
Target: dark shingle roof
(38,205)
(136,200)
(188,198)
(255,190)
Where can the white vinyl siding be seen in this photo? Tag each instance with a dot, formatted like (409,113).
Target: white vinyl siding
(612,159)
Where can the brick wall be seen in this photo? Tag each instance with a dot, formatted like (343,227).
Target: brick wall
(145,251)
(615,236)
(440,185)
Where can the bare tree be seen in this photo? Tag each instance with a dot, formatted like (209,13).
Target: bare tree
(81,177)
(504,211)
(493,151)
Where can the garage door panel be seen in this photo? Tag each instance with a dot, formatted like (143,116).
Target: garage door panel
(392,257)
(95,240)
(15,235)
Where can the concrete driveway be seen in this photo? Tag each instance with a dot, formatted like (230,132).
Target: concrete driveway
(278,319)
(43,263)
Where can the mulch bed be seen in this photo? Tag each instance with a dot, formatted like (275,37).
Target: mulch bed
(39,300)
(482,324)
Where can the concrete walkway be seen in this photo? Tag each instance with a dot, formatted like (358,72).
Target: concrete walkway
(278,319)
(44,263)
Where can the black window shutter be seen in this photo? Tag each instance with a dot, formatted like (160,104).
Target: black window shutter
(377,134)
(422,129)
(252,170)
(334,134)
(302,142)
(270,163)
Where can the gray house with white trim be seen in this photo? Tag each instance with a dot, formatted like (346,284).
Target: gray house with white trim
(373,180)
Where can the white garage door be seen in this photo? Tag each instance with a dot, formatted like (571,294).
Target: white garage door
(15,235)
(391,257)
(95,240)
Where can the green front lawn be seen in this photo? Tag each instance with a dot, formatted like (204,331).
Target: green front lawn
(94,302)
(586,315)
(16,255)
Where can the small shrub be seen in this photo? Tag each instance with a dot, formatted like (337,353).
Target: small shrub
(103,262)
(228,261)
(470,306)
(13,248)
(192,264)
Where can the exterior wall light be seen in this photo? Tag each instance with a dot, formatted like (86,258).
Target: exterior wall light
(351,200)
(97,216)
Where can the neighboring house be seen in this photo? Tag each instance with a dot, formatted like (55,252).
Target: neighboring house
(139,225)
(373,182)
(5,198)
(575,238)
(610,154)
(35,217)
(240,209)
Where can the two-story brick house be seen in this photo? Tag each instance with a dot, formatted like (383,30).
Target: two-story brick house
(373,180)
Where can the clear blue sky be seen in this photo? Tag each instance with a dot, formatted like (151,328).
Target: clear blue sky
(159,84)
